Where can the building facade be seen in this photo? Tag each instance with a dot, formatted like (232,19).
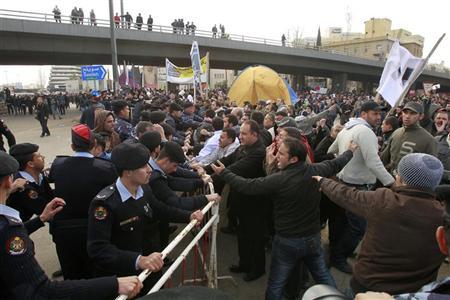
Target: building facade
(375,42)
(59,75)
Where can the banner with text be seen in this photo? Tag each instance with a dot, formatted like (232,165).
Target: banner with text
(184,75)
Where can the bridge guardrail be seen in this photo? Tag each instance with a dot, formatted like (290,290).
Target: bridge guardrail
(123,25)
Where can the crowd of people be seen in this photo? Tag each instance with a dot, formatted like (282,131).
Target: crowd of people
(347,162)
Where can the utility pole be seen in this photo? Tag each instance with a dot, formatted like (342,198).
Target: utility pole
(113,46)
(122,14)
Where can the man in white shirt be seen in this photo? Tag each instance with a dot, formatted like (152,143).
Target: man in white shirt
(228,143)
(213,142)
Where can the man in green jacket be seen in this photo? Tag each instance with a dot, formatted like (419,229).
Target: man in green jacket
(411,138)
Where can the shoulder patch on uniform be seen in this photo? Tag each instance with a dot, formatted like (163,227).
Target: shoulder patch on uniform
(16,246)
(105,193)
(100,213)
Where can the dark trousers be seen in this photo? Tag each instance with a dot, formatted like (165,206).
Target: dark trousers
(287,253)
(44,127)
(10,109)
(251,231)
(337,222)
(352,233)
(70,238)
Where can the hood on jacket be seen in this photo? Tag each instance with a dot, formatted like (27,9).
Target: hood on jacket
(356,121)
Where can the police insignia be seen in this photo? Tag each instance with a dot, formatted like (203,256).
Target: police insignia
(100,213)
(16,246)
(32,194)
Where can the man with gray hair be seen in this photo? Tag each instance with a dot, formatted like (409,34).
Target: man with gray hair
(398,253)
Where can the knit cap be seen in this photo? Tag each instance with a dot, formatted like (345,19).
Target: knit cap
(421,171)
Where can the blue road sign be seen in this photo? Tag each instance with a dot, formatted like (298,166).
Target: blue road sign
(93,73)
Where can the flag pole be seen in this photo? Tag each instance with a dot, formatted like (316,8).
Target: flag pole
(416,74)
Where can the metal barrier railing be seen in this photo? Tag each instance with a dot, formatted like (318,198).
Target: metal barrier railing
(210,271)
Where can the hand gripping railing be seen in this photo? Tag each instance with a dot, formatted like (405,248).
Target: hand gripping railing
(212,272)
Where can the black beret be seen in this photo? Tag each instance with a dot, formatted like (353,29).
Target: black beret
(8,165)
(128,156)
(174,152)
(151,140)
(157,117)
(23,149)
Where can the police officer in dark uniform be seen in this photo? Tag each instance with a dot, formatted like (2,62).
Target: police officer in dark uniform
(4,131)
(77,180)
(21,277)
(36,192)
(123,218)
(167,162)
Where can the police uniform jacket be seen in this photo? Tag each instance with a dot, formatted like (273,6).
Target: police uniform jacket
(21,277)
(120,228)
(33,199)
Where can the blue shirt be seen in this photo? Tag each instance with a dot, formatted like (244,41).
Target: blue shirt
(30,178)
(125,194)
(9,212)
(156,167)
(83,154)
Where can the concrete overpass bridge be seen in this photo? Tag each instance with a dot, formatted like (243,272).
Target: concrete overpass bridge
(35,39)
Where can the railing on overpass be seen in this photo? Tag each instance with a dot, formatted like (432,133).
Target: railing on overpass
(123,25)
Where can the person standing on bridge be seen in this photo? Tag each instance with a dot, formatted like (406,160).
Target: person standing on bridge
(150,23)
(214,31)
(57,14)
(80,16)
(283,40)
(74,15)
(117,20)
(92,18)
(128,20)
(139,22)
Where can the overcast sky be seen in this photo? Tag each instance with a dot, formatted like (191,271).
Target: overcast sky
(262,18)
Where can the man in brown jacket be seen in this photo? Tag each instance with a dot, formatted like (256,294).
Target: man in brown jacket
(398,252)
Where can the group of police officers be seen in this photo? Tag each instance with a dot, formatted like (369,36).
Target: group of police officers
(104,217)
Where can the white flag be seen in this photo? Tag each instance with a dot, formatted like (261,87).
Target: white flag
(400,69)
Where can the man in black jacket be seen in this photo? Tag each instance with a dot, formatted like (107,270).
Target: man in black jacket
(77,180)
(167,162)
(5,131)
(296,200)
(251,211)
(36,192)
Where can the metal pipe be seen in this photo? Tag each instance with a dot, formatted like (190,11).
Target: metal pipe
(112,28)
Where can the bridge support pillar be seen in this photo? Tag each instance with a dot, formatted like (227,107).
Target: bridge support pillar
(339,82)
(299,82)
(368,87)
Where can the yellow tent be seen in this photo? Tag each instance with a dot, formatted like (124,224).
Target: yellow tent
(258,83)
